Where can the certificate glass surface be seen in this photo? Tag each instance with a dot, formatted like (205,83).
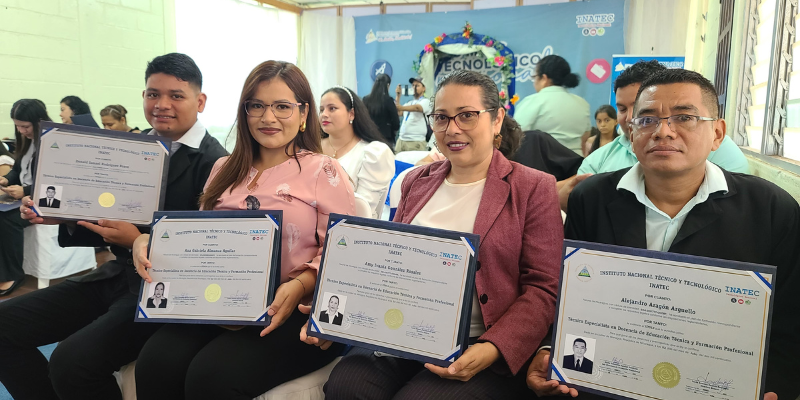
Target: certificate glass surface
(212,267)
(89,174)
(644,324)
(400,289)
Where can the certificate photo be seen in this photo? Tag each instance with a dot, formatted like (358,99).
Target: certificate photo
(52,197)
(332,308)
(158,293)
(578,353)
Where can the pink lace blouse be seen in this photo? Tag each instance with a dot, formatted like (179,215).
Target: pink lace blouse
(307,196)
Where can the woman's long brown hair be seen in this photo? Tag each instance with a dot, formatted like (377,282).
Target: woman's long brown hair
(234,172)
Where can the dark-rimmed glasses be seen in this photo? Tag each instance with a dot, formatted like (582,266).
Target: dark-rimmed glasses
(681,123)
(464,120)
(282,110)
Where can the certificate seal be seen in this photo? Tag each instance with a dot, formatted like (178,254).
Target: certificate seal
(393,318)
(666,375)
(106,200)
(213,293)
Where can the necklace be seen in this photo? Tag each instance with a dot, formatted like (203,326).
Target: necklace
(335,150)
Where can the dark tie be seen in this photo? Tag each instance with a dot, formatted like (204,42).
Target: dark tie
(578,364)
(49,203)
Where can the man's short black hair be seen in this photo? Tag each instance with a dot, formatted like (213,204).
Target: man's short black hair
(51,187)
(637,73)
(579,340)
(178,65)
(679,75)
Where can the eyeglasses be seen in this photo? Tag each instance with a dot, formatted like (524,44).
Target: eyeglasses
(280,110)
(681,123)
(465,120)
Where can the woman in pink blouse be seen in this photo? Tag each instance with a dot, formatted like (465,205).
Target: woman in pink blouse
(276,165)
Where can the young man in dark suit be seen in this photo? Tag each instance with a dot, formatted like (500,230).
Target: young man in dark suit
(50,200)
(91,316)
(674,200)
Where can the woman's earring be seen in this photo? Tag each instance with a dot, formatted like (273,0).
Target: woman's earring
(351,122)
(497,140)
(303,127)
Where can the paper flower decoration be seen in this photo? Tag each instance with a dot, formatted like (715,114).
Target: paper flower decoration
(428,48)
(490,43)
(499,61)
(508,106)
(514,99)
(438,39)
(502,94)
(467,33)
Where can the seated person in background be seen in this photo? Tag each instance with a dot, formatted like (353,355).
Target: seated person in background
(114,117)
(91,315)
(606,131)
(350,136)
(619,154)
(514,209)
(26,115)
(564,115)
(73,105)
(50,200)
(675,200)
(6,160)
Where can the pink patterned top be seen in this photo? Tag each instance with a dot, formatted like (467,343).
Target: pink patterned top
(306,197)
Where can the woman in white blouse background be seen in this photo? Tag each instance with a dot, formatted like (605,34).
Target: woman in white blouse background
(350,136)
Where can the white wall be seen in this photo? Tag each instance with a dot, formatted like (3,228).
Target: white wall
(94,49)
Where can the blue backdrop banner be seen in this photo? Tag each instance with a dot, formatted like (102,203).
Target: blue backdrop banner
(621,62)
(586,34)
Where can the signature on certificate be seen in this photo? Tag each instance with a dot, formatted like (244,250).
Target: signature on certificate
(78,202)
(707,381)
(131,206)
(239,296)
(424,328)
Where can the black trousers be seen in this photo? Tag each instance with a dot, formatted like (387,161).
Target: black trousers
(209,362)
(363,376)
(93,321)
(11,245)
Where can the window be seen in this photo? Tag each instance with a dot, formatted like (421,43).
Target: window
(768,117)
(227,46)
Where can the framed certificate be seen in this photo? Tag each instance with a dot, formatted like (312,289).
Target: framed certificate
(400,289)
(90,174)
(212,267)
(643,324)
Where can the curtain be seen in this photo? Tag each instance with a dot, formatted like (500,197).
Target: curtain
(656,27)
(227,39)
(328,51)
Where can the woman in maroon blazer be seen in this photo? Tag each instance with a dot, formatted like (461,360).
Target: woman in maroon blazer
(515,211)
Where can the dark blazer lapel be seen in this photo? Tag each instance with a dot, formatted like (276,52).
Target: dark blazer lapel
(627,218)
(495,195)
(705,213)
(179,162)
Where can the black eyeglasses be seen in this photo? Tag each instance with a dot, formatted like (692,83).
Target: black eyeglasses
(282,110)
(465,120)
(681,123)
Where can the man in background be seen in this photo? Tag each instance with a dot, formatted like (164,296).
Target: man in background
(414,127)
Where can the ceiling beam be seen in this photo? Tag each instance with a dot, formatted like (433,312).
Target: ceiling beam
(282,6)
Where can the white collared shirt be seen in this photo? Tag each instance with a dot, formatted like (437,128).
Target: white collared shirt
(192,138)
(660,229)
